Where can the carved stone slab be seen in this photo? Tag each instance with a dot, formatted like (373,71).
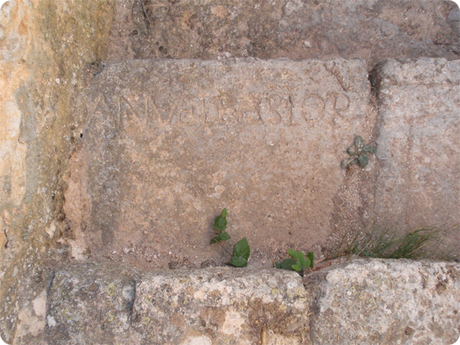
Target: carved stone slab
(169,143)
(419,145)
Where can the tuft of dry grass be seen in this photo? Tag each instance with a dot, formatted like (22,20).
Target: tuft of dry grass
(377,242)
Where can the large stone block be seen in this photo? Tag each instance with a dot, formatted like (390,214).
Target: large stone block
(222,306)
(386,302)
(418,143)
(169,143)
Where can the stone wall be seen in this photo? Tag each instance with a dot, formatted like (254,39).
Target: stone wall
(50,51)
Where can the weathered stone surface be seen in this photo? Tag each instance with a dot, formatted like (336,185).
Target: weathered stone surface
(46,47)
(90,303)
(373,30)
(48,51)
(419,129)
(370,301)
(222,306)
(106,303)
(168,144)
(386,302)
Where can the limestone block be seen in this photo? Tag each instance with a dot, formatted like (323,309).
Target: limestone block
(371,29)
(222,306)
(386,302)
(90,303)
(418,144)
(169,143)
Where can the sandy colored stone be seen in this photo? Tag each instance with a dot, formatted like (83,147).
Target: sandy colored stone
(222,305)
(373,30)
(169,143)
(386,302)
(418,143)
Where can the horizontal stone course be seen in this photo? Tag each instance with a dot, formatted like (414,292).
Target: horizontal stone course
(363,301)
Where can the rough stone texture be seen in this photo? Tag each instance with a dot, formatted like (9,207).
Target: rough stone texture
(90,303)
(169,143)
(373,30)
(106,303)
(419,147)
(46,48)
(360,302)
(386,302)
(50,49)
(222,306)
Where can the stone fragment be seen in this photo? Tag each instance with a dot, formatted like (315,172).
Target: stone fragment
(386,302)
(222,306)
(169,143)
(418,144)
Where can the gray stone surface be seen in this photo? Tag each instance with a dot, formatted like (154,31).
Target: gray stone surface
(169,143)
(222,306)
(370,301)
(386,302)
(90,303)
(418,143)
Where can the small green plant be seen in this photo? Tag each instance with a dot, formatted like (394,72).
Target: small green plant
(241,253)
(297,262)
(241,250)
(359,154)
(220,224)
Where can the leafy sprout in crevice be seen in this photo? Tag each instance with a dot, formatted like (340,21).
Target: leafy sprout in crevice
(220,224)
(298,261)
(359,153)
(241,250)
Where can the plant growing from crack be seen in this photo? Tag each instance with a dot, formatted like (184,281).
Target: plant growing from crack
(241,250)
(359,153)
(298,261)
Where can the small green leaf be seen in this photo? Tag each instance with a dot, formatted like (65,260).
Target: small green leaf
(220,223)
(224,236)
(241,253)
(374,150)
(346,163)
(359,142)
(301,262)
(350,151)
(367,148)
(224,213)
(286,264)
(241,249)
(311,257)
(363,160)
(239,261)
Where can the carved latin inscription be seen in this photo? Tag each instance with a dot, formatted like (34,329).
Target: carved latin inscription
(225,109)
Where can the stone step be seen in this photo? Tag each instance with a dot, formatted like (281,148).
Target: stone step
(357,302)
